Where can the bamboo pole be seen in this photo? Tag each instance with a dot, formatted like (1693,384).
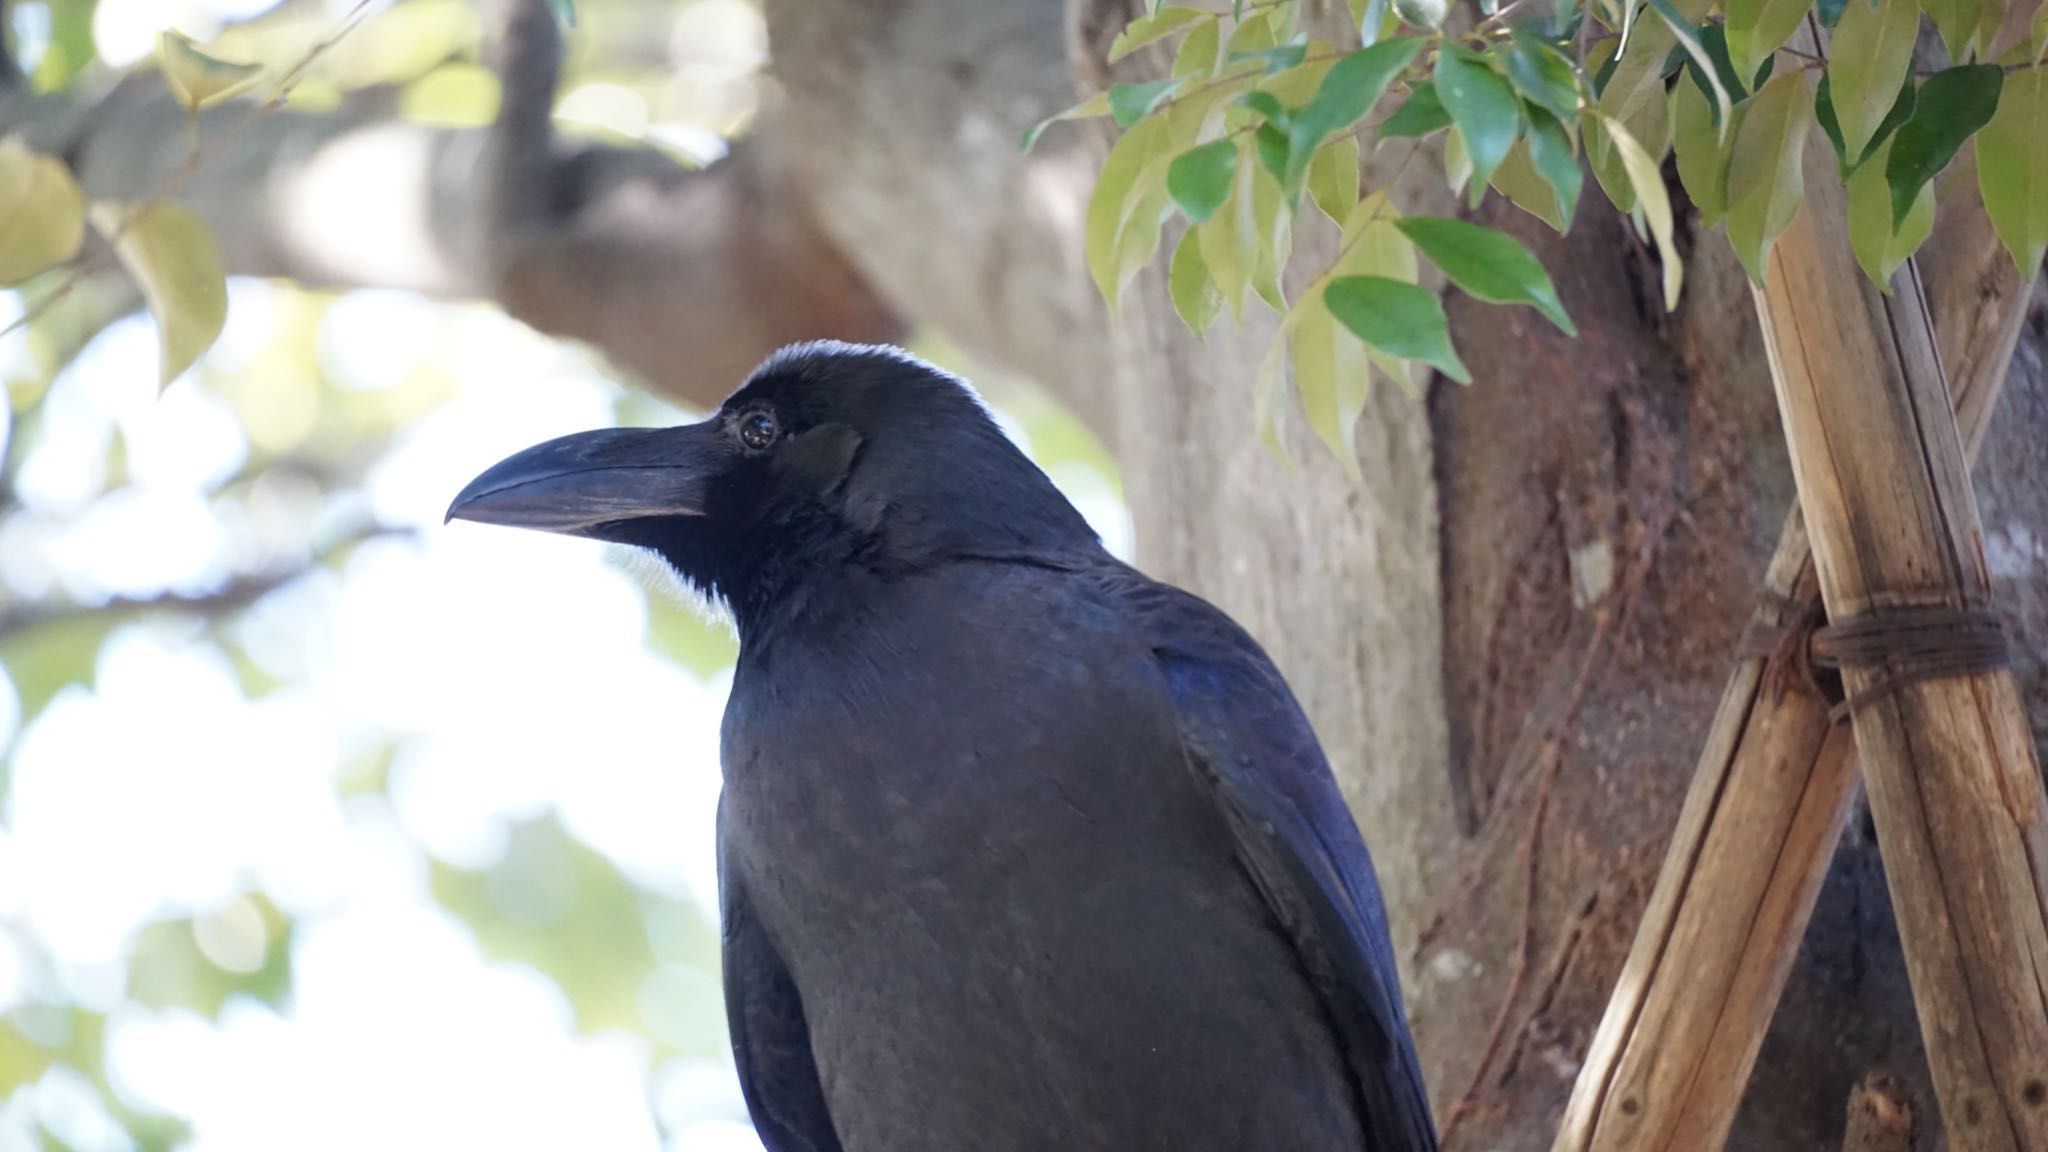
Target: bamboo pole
(1673,1053)
(1949,764)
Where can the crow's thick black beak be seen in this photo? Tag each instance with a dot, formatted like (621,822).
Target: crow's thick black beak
(576,483)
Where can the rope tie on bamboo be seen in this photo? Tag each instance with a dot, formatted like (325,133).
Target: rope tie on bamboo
(1895,646)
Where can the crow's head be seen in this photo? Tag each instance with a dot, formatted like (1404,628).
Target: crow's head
(829,455)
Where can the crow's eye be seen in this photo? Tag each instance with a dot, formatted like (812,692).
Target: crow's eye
(758,430)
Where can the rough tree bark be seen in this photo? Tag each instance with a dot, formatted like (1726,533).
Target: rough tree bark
(1510,637)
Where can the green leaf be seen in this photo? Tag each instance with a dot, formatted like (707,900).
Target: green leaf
(1638,79)
(1254,35)
(1551,151)
(1481,104)
(1194,294)
(1129,103)
(1350,89)
(1715,38)
(1197,54)
(1199,179)
(1423,13)
(1765,176)
(1118,194)
(2012,167)
(1273,239)
(1702,61)
(197,79)
(1702,151)
(1096,105)
(1488,264)
(42,212)
(1655,202)
(1421,115)
(1269,106)
(1757,28)
(1333,177)
(1882,244)
(1542,74)
(1952,106)
(1333,374)
(1397,318)
(1957,21)
(1149,29)
(1276,59)
(1870,57)
(1230,239)
(171,254)
(1272,148)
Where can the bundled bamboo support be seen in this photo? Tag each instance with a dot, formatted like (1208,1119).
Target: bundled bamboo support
(1668,1066)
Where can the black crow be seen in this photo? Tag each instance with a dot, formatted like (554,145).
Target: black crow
(1019,850)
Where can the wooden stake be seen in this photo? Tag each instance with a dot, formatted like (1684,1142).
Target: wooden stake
(1668,1065)
(1949,764)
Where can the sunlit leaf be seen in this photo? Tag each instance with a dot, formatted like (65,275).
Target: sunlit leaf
(1421,114)
(1333,374)
(1518,180)
(1096,105)
(1349,90)
(1197,53)
(1757,28)
(1880,242)
(1702,151)
(2012,167)
(171,253)
(1199,179)
(197,79)
(1230,240)
(1956,20)
(1483,106)
(1333,177)
(1655,202)
(1765,174)
(1487,264)
(1273,229)
(1157,26)
(1194,294)
(1870,56)
(1952,106)
(1399,319)
(42,212)
(1117,192)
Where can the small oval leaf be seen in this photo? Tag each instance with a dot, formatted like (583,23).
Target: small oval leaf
(1148,29)
(1952,106)
(1481,104)
(1397,318)
(1766,176)
(197,79)
(1199,179)
(1869,58)
(1488,264)
(2012,167)
(42,212)
(171,253)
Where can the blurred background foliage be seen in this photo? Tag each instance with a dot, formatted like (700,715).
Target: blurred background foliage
(323,825)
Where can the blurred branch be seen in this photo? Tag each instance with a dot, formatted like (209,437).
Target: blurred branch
(236,594)
(686,278)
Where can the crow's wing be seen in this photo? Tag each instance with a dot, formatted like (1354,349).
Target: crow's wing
(770,1040)
(1252,747)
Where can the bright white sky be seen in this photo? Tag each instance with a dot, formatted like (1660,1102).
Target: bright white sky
(515,668)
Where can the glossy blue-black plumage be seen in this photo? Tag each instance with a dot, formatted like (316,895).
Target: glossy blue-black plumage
(1019,849)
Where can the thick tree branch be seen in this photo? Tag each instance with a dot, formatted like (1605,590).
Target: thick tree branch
(686,278)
